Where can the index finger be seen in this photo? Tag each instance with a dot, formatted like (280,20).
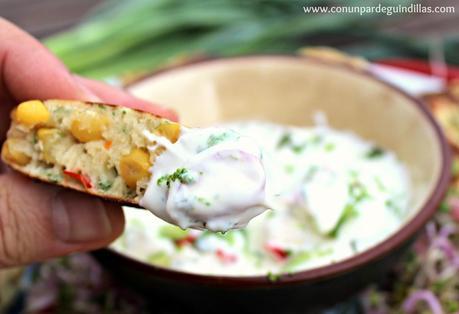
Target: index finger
(29,71)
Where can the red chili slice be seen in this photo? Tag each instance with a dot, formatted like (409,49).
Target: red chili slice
(84,180)
(226,258)
(278,252)
(189,239)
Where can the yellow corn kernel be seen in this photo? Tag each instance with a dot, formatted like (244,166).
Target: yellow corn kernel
(88,126)
(10,153)
(169,129)
(135,166)
(32,112)
(46,136)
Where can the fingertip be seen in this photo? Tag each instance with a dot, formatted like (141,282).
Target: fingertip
(118,96)
(116,216)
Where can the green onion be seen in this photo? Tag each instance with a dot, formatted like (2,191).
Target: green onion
(296,260)
(375,152)
(273,277)
(123,37)
(172,232)
(229,236)
(160,258)
(349,212)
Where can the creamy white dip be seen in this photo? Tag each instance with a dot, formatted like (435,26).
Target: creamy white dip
(333,193)
(211,178)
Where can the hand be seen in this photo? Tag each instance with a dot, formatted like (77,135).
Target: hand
(38,221)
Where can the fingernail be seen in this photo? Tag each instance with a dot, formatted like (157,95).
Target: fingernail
(79,218)
(88,95)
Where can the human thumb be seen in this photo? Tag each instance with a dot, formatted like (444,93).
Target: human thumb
(39,221)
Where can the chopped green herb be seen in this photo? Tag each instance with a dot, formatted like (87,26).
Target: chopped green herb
(215,139)
(101,107)
(289,169)
(375,152)
(160,258)
(181,174)
(202,200)
(444,207)
(273,277)
(349,212)
(104,185)
(53,177)
(296,260)
(391,204)
(452,306)
(439,285)
(311,173)
(379,184)
(358,191)
(286,139)
(329,147)
(316,139)
(172,232)
(298,149)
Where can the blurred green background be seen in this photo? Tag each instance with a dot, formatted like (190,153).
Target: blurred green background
(114,37)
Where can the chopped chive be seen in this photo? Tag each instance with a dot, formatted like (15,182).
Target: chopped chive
(172,232)
(181,174)
(444,207)
(215,139)
(286,139)
(391,205)
(160,258)
(375,152)
(104,185)
(273,277)
(289,168)
(329,147)
(202,200)
(296,260)
(349,212)
(298,149)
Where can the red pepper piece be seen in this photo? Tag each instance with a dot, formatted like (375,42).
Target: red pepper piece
(108,144)
(278,252)
(83,179)
(189,239)
(226,258)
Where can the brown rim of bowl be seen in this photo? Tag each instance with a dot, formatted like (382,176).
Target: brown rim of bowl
(333,270)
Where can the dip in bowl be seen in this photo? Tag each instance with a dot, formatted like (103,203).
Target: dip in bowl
(366,118)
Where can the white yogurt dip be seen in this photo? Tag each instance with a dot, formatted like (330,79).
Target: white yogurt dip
(211,178)
(334,195)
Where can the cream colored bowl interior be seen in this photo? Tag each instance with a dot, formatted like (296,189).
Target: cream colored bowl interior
(290,90)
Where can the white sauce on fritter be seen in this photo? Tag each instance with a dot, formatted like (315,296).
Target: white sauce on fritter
(334,195)
(211,178)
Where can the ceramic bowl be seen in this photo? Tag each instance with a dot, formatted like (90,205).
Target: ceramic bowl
(289,90)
